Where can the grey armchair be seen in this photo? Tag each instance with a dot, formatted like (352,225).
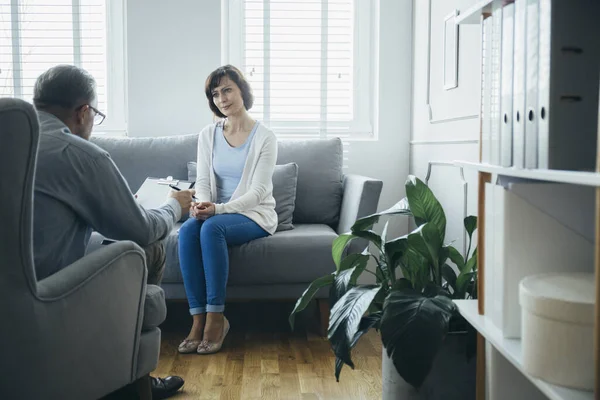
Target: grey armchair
(80,333)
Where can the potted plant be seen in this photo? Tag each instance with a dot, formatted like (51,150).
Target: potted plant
(411,302)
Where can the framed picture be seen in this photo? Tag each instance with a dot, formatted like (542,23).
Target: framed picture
(450,43)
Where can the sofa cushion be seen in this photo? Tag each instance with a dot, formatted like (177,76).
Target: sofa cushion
(285,178)
(299,255)
(139,158)
(319,190)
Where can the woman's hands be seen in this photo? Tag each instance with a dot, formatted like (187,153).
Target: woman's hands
(203,210)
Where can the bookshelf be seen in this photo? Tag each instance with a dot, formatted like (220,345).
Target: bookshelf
(511,350)
(547,175)
(474,311)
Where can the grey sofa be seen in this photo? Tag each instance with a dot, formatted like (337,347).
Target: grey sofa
(83,332)
(280,266)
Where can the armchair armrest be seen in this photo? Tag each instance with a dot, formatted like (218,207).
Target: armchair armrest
(361,197)
(95,306)
(76,275)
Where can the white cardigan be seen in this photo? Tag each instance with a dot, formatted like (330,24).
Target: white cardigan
(253,196)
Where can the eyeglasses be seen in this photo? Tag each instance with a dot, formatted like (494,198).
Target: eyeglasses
(98,116)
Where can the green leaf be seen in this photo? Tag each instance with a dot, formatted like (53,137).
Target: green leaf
(424,205)
(377,303)
(472,263)
(395,249)
(379,276)
(371,236)
(366,323)
(352,260)
(367,222)
(456,258)
(426,241)
(432,290)
(470,225)
(416,269)
(384,231)
(450,276)
(309,294)
(463,281)
(383,260)
(345,318)
(413,328)
(338,247)
(402,284)
(443,256)
(346,279)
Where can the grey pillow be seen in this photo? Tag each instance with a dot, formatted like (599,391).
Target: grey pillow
(285,179)
(191,167)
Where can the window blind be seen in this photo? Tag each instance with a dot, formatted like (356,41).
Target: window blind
(38,34)
(299,57)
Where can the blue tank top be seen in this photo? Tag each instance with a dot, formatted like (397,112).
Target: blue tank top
(228,163)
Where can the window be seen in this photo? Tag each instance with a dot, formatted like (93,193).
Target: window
(309,63)
(38,34)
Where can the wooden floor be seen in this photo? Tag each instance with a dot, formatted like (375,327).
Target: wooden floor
(263,359)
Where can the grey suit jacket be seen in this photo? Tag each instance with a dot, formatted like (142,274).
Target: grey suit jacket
(78,188)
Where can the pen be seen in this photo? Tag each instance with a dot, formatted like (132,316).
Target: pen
(178,189)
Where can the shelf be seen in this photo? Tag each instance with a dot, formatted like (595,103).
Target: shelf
(511,349)
(472,15)
(550,175)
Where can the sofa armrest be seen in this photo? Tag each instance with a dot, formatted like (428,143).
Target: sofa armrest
(361,197)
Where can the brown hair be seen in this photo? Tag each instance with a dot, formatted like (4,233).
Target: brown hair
(236,76)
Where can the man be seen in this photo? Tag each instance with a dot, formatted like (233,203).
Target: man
(78,188)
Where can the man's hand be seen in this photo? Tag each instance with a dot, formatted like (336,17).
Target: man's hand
(203,210)
(184,197)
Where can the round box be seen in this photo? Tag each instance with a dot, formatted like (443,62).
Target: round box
(557,311)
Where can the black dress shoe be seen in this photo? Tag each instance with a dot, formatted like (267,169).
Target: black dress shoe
(163,388)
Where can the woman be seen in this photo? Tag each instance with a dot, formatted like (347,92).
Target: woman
(236,159)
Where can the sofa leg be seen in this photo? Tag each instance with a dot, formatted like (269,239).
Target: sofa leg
(323,316)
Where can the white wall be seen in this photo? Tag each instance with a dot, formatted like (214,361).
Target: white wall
(435,138)
(388,157)
(173,46)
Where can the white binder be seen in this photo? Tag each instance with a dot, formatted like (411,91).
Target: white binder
(519,84)
(506,102)
(486,84)
(531,83)
(568,84)
(495,83)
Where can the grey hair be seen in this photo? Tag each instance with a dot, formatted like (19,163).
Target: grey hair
(66,86)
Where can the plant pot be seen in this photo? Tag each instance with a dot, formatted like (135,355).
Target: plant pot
(393,386)
(452,376)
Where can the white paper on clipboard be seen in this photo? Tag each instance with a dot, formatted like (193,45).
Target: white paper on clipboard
(153,192)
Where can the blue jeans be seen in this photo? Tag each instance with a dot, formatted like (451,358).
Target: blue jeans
(204,259)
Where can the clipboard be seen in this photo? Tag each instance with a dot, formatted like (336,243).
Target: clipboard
(153,192)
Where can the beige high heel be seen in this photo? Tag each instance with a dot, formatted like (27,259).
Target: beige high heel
(189,346)
(206,347)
